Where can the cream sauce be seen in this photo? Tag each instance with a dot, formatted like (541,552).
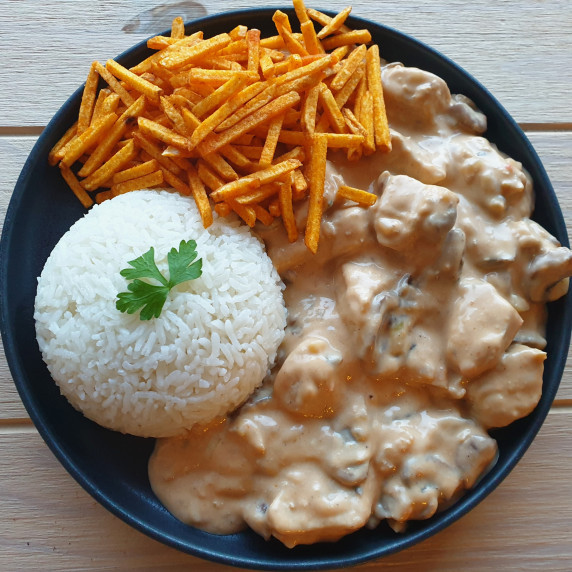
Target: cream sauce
(417,327)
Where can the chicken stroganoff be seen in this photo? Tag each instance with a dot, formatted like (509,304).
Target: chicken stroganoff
(417,327)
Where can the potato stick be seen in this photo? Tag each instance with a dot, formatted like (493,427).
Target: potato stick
(274,128)
(274,55)
(295,153)
(75,186)
(165,45)
(349,67)
(262,215)
(105,146)
(103,196)
(247,214)
(238,33)
(235,189)
(239,102)
(191,122)
(309,109)
(236,157)
(311,68)
(200,196)
(335,23)
(147,181)
(264,192)
(291,119)
(208,176)
(159,72)
(88,99)
(215,78)
(159,43)
(189,94)
(109,105)
(221,167)
(175,182)
(175,153)
(110,167)
(281,19)
(363,198)
(253,45)
(301,84)
(292,44)
(285,198)
(136,171)
(281,68)
(56,153)
(149,90)
(274,208)
(178,28)
(373,71)
(267,66)
(250,151)
(168,136)
(317,170)
(311,41)
(222,209)
(353,37)
(247,139)
(353,123)
(100,100)
(324,19)
(114,84)
(174,116)
(77,146)
(272,42)
(366,118)
(300,10)
(179,100)
(350,86)
(299,182)
(154,152)
(235,47)
(331,109)
(219,96)
(294,62)
(188,54)
(266,113)
(221,63)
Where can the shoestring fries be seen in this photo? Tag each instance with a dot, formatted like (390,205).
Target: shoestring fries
(241,122)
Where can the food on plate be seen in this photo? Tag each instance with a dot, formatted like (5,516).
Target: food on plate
(216,336)
(220,118)
(415,281)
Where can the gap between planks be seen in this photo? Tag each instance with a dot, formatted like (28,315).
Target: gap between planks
(11,131)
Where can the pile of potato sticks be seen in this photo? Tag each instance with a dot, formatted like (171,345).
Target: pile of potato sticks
(241,123)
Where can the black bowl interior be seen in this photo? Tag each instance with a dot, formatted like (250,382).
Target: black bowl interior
(113,467)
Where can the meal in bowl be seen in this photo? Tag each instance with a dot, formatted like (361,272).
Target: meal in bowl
(415,324)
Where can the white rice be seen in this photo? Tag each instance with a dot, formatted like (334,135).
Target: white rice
(212,344)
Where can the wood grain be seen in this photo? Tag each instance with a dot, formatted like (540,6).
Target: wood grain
(508,46)
(50,523)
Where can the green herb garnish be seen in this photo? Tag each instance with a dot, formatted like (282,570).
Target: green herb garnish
(151,297)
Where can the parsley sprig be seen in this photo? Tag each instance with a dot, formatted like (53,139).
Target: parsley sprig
(149,297)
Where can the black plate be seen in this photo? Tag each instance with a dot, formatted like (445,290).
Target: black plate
(113,467)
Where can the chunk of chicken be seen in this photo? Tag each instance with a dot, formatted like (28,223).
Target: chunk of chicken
(481,327)
(413,218)
(511,390)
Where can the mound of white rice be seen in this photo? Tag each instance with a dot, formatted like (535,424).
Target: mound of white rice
(212,344)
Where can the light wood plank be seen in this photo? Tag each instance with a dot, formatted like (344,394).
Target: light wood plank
(504,45)
(50,523)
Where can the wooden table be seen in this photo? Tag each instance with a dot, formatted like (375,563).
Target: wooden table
(520,49)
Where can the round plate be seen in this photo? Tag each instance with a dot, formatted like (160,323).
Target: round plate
(113,467)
